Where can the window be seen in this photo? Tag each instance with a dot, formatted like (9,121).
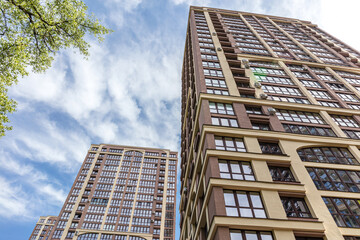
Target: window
(302,75)
(351,238)
(297,116)
(337,87)
(282,174)
(226,122)
(295,207)
(277,80)
(211,64)
(253,110)
(260,126)
(217,92)
(320,94)
(214,73)
(348,97)
(309,130)
(263,71)
(329,104)
(282,90)
(327,155)
(352,134)
(230,144)
(221,108)
(327,78)
(346,212)
(215,83)
(250,235)
(289,99)
(344,121)
(236,170)
(312,84)
(335,180)
(270,148)
(244,204)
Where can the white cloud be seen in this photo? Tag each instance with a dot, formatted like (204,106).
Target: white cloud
(13,202)
(340,20)
(116,9)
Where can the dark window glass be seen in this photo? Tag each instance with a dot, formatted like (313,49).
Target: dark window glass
(335,180)
(260,126)
(295,207)
(236,170)
(244,204)
(271,148)
(327,155)
(282,174)
(346,212)
(352,134)
(253,110)
(308,130)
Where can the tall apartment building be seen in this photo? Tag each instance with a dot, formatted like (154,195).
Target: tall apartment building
(270,130)
(120,193)
(43,228)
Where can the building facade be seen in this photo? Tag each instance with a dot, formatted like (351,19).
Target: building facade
(270,130)
(43,228)
(121,193)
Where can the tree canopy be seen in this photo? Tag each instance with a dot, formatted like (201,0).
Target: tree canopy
(31,34)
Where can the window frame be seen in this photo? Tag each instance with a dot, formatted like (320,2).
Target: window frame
(321,183)
(250,203)
(292,200)
(340,213)
(335,155)
(231,173)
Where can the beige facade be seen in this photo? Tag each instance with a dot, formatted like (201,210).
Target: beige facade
(270,130)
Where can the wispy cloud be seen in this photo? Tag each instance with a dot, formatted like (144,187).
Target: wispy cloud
(127,92)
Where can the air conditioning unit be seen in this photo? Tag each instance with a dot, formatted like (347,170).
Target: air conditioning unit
(272,111)
(263,96)
(257,85)
(185,189)
(152,220)
(219,49)
(214,33)
(246,63)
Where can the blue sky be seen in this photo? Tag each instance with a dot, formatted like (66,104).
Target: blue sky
(127,92)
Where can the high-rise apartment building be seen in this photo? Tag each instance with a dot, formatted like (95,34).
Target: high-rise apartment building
(43,228)
(270,130)
(120,193)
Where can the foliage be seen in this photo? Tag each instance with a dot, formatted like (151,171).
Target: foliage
(32,32)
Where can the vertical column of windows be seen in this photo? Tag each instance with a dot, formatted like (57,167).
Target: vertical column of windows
(144,205)
(214,78)
(350,98)
(285,41)
(275,44)
(246,41)
(74,195)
